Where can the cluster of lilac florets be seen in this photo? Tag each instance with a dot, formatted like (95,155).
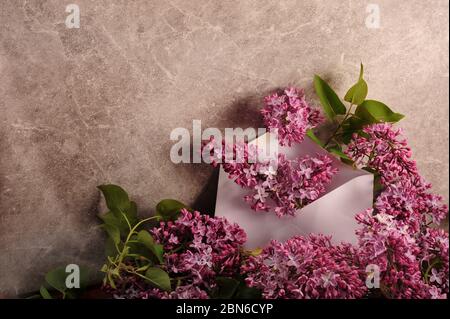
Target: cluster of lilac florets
(293,185)
(306,268)
(278,183)
(282,185)
(396,234)
(290,115)
(198,249)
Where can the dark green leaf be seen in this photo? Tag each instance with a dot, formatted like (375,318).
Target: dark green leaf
(169,209)
(110,248)
(44,293)
(331,103)
(350,126)
(377,185)
(353,124)
(56,278)
(131,213)
(116,198)
(226,287)
(338,152)
(375,112)
(113,232)
(137,248)
(147,240)
(84,277)
(313,137)
(158,278)
(117,221)
(346,137)
(347,161)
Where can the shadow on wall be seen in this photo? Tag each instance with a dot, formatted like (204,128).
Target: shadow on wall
(243,113)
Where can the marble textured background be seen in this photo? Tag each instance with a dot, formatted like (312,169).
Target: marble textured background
(81,107)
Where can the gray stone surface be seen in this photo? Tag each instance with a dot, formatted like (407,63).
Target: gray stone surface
(81,107)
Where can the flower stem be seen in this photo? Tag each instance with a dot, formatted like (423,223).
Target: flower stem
(339,126)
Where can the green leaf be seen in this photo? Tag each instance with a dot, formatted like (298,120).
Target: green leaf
(158,278)
(117,221)
(131,213)
(226,287)
(350,126)
(137,248)
(44,293)
(56,278)
(375,112)
(147,240)
(358,92)
(84,277)
(377,185)
(339,153)
(110,248)
(353,124)
(361,71)
(113,232)
(169,209)
(313,137)
(116,198)
(255,252)
(331,103)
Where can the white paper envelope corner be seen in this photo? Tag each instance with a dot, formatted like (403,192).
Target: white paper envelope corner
(349,193)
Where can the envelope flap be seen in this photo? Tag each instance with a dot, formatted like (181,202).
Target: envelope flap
(350,192)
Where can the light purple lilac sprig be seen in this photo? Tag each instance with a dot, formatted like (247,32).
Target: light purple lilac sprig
(406,195)
(293,185)
(413,265)
(281,185)
(198,249)
(290,115)
(384,149)
(397,234)
(306,268)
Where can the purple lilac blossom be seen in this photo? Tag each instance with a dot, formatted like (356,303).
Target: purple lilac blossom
(396,234)
(284,186)
(290,115)
(306,268)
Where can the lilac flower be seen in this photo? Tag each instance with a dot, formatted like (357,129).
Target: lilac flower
(406,194)
(290,186)
(198,248)
(209,246)
(306,268)
(411,203)
(411,262)
(396,234)
(434,258)
(398,262)
(181,292)
(290,115)
(383,149)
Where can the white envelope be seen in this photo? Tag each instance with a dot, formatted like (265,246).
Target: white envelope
(350,192)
